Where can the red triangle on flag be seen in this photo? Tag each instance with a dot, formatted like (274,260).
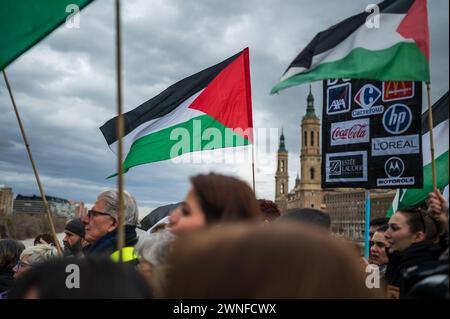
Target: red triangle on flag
(228,97)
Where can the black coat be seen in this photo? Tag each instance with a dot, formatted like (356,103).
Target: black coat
(6,278)
(107,244)
(399,262)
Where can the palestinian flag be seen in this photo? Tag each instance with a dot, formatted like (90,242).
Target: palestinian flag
(24,23)
(397,49)
(208,110)
(414,197)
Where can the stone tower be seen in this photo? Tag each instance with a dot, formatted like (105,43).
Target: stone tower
(310,158)
(282,176)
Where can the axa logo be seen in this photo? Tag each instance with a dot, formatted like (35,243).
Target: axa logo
(397,119)
(367,96)
(394,167)
(338,98)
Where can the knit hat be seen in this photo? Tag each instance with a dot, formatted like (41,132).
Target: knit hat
(76,226)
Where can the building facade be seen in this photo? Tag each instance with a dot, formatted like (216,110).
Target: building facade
(347,210)
(34,204)
(6,200)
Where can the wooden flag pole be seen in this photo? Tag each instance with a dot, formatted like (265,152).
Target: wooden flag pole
(36,174)
(120,132)
(430,124)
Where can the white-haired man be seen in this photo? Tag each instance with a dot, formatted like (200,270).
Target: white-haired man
(102,220)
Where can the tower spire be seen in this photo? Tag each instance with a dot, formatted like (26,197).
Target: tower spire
(310,112)
(282,147)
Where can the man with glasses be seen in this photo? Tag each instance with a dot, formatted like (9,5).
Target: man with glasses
(101,223)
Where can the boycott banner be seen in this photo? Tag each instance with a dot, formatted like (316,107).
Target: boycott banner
(371,134)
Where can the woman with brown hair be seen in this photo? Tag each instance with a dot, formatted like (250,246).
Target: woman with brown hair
(412,236)
(214,199)
(281,261)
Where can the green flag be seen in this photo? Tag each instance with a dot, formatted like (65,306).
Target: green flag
(397,49)
(23,23)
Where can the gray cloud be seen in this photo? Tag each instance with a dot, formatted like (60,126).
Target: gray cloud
(65,86)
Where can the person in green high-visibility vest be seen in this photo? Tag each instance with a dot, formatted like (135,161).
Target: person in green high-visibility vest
(101,226)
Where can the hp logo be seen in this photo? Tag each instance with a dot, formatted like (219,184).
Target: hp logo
(397,119)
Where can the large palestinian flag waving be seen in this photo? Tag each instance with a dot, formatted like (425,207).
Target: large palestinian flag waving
(391,46)
(208,110)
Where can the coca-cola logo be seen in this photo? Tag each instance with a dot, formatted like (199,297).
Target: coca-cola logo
(356,131)
(350,132)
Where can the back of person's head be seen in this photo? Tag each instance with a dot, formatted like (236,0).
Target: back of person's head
(98,278)
(43,239)
(111,201)
(377,222)
(307,216)
(39,253)
(154,248)
(10,251)
(225,198)
(269,209)
(419,220)
(282,261)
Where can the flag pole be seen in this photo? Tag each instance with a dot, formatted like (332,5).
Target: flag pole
(430,125)
(253,166)
(120,132)
(36,174)
(367,227)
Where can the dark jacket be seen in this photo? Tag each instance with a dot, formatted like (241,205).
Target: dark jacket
(107,244)
(428,281)
(415,255)
(6,278)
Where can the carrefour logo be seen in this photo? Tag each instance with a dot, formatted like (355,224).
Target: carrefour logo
(397,119)
(367,96)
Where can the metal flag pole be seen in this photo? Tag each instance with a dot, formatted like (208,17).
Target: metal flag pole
(367,227)
(253,165)
(430,124)
(36,174)
(120,132)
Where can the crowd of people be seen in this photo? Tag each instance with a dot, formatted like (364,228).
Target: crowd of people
(222,242)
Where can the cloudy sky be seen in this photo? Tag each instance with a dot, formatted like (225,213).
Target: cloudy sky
(65,88)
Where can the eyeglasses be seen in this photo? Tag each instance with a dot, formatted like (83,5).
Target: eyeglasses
(22,264)
(92,213)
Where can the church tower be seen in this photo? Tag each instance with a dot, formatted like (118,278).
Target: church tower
(310,158)
(281,176)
